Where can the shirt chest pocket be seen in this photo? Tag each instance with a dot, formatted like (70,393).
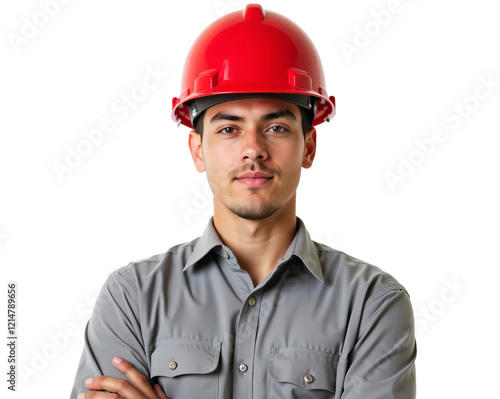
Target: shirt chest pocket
(301,373)
(187,368)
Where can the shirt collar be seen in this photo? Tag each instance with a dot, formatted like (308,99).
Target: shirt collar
(305,249)
(209,240)
(302,247)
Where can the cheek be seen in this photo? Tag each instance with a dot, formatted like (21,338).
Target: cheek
(214,153)
(291,166)
(293,177)
(217,181)
(216,172)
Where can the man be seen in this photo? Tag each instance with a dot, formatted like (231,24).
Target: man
(253,308)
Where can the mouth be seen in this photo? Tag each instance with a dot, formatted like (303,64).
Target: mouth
(254,179)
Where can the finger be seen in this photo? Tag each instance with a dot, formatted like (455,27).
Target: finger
(159,391)
(119,388)
(99,395)
(138,380)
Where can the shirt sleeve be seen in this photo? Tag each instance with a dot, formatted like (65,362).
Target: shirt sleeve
(113,330)
(381,364)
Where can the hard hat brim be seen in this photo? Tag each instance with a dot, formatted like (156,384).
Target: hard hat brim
(197,106)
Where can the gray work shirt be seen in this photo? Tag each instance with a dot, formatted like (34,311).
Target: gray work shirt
(321,325)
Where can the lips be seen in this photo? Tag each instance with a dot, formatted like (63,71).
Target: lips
(254,179)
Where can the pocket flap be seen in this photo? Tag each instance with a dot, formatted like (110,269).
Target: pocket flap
(176,357)
(308,369)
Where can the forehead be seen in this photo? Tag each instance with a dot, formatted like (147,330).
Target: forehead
(252,107)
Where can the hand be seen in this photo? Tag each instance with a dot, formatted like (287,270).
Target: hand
(139,386)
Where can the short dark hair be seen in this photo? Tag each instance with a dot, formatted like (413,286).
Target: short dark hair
(306,117)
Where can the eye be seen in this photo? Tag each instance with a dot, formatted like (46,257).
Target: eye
(227,130)
(278,129)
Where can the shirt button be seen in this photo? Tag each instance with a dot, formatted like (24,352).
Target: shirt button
(252,301)
(226,255)
(172,365)
(243,367)
(308,378)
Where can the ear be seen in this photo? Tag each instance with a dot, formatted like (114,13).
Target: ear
(196,151)
(309,148)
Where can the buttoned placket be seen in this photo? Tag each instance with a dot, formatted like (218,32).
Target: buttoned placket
(245,329)
(247,324)
(244,353)
(246,339)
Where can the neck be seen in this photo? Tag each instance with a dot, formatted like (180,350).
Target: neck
(257,244)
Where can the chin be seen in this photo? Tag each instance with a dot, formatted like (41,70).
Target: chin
(246,211)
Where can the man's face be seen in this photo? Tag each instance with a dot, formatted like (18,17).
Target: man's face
(253,151)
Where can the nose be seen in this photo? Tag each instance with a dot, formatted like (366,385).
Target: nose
(253,147)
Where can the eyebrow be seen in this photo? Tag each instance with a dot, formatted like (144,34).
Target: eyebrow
(285,113)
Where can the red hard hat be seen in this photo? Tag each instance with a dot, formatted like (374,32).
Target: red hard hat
(253,51)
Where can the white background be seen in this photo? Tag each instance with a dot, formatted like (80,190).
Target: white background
(130,197)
